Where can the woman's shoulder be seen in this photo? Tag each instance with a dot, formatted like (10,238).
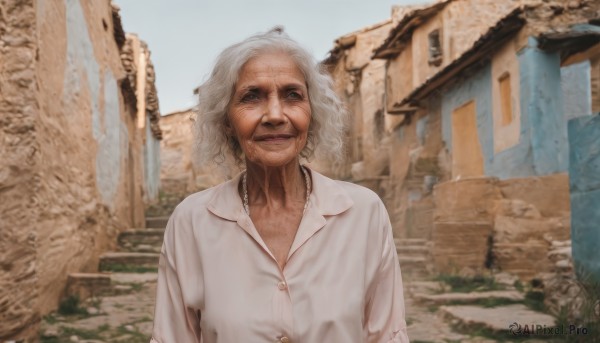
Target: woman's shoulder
(358,193)
(343,192)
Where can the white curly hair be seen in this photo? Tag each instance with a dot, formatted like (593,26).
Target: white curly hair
(328,121)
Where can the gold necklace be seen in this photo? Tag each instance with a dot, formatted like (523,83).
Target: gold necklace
(245,189)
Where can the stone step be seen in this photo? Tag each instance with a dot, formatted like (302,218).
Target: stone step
(87,285)
(497,321)
(412,250)
(135,262)
(157,222)
(412,260)
(414,267)
(469,298)
(141,240)
(410,241)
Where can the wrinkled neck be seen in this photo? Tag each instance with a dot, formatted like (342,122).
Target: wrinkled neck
(275,187)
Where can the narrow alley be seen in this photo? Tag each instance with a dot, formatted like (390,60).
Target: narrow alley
(476,122)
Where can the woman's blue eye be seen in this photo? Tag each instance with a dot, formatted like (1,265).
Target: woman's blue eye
(294,95)
(249,97)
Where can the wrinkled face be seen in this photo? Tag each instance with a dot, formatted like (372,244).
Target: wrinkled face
(269,112)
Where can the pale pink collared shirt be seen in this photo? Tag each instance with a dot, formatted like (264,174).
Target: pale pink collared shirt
(218,282)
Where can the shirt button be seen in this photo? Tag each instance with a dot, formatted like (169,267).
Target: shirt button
(282,286)
(284,340)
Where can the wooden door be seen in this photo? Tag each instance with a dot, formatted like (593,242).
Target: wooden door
(467,159)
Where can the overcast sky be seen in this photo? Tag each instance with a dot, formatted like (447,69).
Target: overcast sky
(185,36)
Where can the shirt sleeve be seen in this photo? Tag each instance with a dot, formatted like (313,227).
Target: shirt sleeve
(385,318)
(173,321)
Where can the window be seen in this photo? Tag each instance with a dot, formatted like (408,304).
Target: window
(435,48)
(505,99)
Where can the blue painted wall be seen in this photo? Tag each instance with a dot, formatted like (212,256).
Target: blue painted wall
(543,145)
(514,162)
(541,101)
(151,165)
(477,88)
(584,178)
(576,90)
(83,71)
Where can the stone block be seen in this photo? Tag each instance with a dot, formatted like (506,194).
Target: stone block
(522,259)
(468,200)
(549,194)
(522,230)
(86,285)
(459,244)
(516,208)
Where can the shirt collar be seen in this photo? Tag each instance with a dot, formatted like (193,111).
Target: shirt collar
(327,197)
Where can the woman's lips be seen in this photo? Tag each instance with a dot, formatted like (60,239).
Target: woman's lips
(278,138)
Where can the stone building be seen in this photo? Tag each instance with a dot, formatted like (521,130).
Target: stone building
(475,110)
(359,82)
(79,140)
(180,173)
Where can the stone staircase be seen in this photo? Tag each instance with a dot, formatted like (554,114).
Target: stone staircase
(137,252)
(415,259)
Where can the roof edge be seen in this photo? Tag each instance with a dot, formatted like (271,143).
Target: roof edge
(504,29)
(405,27)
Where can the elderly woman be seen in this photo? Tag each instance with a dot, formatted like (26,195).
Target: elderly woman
(279,253)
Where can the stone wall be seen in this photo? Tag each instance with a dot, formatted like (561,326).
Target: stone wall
(521,198)
(72,165)
(359,81)
(460,24)
(19,178)
(505,225)
(180,172)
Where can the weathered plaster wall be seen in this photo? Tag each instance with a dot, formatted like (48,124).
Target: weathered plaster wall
(151,165)
(375,150)
(179,174)
(403,139)
(460,23)
(344,85)
(84,199)
(477,88)
(541,103)
(542,146)
(359,82)
(584,177)
(19,178)
(71,164)
(575,81)
(418,161)
(398,84)
(505,63)
(465,21)
(422,70)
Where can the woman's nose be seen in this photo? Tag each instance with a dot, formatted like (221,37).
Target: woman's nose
(274,112)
